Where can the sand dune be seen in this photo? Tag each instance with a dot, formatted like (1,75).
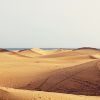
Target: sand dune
(28,53)
(95,56)
(81,79)
(3,50)
(58,70)
(16,94)
(49,52)
(79,57)
(13,75)
(12,55)
(34,52)
(38,50)
(73,53)
(87,48)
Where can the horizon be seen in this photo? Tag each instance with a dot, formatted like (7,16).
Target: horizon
(49,48)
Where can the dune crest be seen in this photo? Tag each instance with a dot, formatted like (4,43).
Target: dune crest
(3,50)
(87,48)
(28,53)
(38,50)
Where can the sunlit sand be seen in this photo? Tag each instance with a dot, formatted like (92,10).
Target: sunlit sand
(57,74)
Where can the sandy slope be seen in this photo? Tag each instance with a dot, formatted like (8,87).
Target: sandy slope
(73,53)
(81,79)
(40,51)
(16,94)
(28,53)
(49,52)
(18,71)
(41,69)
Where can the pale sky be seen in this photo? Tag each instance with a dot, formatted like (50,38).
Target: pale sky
(49,23)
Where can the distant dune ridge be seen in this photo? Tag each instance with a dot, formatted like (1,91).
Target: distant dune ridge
(73,53)
(3,50)
(87,48)
(62,74)
(28,53)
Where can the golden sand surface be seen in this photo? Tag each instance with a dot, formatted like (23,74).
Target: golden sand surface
(62,74)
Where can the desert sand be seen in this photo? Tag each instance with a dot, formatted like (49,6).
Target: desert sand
(58,74)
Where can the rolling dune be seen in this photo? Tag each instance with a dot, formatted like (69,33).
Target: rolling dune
(82,79)
(64,71)
(73,53)
(17,94)
(28,53)
(13,75)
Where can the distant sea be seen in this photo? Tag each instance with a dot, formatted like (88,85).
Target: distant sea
(40,48)
(17,48)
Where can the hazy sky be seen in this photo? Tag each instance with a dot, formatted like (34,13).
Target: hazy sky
(49,23)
